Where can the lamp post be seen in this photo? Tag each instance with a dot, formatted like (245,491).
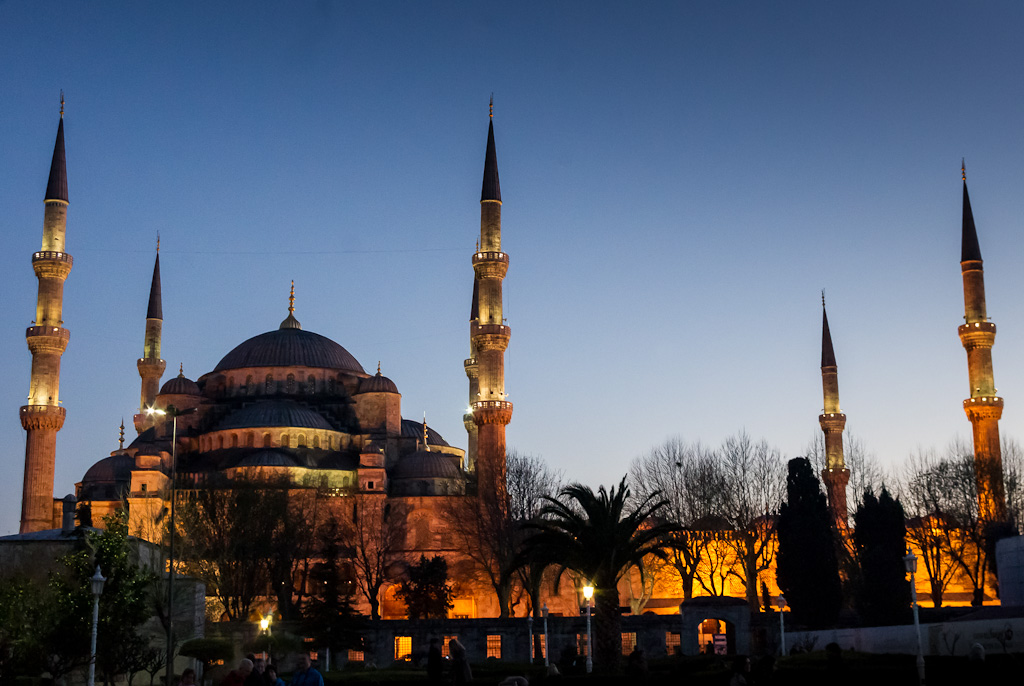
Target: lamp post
(96,582)
(910,561)
(529,630)
(781,604)
(547,643)
(174,414)
(265,628)
(588,594)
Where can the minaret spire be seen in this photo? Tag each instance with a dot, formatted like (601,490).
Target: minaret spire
(832,420)
(983,407)
(151,367)
(47,339)
(489,336)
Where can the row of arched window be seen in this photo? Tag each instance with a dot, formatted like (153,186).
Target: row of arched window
(251,439)
(291,384)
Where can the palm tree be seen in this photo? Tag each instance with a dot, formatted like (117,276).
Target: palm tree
(600,536)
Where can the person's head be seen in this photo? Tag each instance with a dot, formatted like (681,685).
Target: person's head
(188,677)
(245,666)
(304,662)
(272,672)
(259,664)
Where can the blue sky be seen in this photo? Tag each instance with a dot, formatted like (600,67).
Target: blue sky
(680,181)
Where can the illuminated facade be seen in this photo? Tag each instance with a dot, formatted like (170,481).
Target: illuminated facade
(295,405)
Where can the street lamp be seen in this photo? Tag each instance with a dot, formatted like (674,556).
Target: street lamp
(781,604)
(265,628)
(96,582)
(910,561)
(547,643)
(174,414)
(529,630)
(588,593)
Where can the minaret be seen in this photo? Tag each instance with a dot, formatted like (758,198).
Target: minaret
(984,407)
(151,367)
(473,372)
(47,339)
(832,421)
(489,335)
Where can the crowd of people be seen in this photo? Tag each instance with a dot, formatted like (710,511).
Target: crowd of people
(254,671)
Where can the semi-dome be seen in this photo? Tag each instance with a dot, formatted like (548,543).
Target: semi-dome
(377,384)
(290,347)
(426,465)
(180,385)
(274,413)
(413,429)
(113,469)
(267,458)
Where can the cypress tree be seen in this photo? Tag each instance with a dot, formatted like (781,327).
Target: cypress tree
(808,570)
(883,594)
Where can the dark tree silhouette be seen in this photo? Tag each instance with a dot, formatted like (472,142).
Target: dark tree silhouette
(426,591)
(882,592)
(808,570)
(600,536)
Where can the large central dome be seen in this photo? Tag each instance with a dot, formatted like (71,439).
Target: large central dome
(290,347)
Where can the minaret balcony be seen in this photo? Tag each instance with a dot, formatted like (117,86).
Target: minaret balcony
(491,330)
(490,257)
(51,264)
(977,334)
(52,256)
(47,338)
(490,265)
(492,412)
(984,407)
(42,417)
(832,421)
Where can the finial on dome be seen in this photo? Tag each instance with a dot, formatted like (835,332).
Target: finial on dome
(290,321)
(120,440)
(61,103)
(490,108)
(823,297)
(963,170)
(181,370)
(425,446)
(157,242)
(378,367)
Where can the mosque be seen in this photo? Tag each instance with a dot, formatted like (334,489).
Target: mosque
(293,404)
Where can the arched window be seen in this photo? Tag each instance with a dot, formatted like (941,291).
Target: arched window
(250,387)
(270,383)
(220,442)
(250,439)
(316,440)
(311,384)
(290,384)
(301,440)
(330,385)
(266,440)
(284,441)
(234,440)
(231,385)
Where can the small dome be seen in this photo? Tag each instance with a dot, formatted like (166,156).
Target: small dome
(180,385)
(290,347)
(426,465)
(267,458)
(413,429)
(113,469)
(274,413)
(377,384)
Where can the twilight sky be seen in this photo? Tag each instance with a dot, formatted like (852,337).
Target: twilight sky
(680,180)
